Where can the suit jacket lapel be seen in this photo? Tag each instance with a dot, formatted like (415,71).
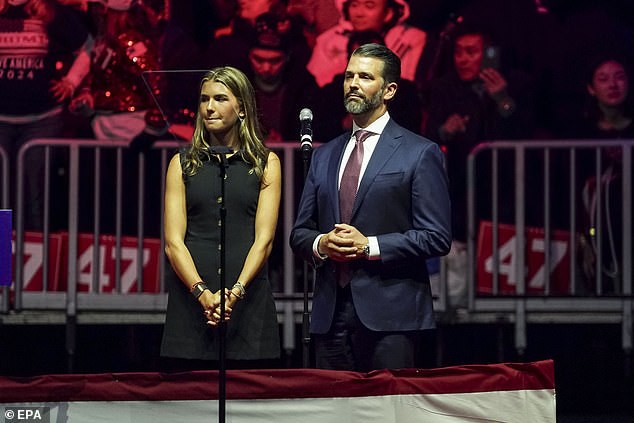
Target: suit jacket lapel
(385,148)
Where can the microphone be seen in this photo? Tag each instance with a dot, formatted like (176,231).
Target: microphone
(306,132)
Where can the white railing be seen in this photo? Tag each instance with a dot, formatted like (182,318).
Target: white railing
(84,188)
(70,301)
(72,305)
(554,163)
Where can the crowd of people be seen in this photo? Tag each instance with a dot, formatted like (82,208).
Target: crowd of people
(472,70)
(465,72)
(143,56)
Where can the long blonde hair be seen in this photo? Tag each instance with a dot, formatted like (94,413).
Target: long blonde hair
(250,138)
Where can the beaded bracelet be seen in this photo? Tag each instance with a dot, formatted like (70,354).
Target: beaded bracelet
(240,288)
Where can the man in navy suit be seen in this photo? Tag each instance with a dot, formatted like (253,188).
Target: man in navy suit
(372,296)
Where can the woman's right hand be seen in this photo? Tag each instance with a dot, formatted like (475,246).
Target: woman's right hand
(211,306)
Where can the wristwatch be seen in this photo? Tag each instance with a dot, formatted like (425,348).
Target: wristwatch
(198,289)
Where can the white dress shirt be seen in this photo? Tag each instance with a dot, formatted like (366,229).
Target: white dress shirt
(368,149)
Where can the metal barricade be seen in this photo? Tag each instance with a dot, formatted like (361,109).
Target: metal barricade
(589,303)
(81,299)
(120,306)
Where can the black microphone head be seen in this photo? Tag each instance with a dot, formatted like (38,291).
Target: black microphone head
(306,114)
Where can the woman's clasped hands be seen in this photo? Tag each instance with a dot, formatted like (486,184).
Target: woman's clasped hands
(212,306)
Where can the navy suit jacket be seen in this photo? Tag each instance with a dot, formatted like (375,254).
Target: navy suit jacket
(403,200)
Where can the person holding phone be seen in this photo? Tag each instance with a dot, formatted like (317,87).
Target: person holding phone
(476,63)
(474,102)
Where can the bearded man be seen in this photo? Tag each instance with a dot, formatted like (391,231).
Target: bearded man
(375,206)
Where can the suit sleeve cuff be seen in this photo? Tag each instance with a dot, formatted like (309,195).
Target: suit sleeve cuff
(375,252)
(318,256)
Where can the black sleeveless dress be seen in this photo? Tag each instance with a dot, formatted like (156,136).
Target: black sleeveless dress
(252,332)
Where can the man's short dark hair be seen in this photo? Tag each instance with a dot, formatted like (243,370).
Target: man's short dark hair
(464,28)
(391,62)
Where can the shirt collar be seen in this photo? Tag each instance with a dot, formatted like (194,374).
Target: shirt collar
(377,126)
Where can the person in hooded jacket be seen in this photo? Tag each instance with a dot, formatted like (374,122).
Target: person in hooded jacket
(387,17)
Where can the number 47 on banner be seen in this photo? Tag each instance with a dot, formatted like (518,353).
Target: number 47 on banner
(535,262)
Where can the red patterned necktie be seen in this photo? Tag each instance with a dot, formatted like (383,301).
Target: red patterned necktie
(350,177)
(348,192)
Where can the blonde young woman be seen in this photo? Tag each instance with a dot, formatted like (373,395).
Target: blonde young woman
(227,117)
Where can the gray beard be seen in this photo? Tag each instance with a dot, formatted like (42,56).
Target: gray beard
(356,108)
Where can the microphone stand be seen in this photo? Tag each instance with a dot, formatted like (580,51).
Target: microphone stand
(222,152)
(307,150)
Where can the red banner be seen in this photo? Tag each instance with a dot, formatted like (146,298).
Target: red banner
(509,392)
(106,269)
(534,260)
(33,260)
(58,260)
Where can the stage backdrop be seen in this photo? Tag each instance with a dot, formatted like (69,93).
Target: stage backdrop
(514,392)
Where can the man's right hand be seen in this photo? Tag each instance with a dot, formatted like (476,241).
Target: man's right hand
(337,246)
